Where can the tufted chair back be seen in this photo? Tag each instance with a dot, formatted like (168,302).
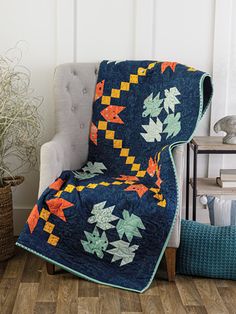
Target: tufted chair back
(74,86)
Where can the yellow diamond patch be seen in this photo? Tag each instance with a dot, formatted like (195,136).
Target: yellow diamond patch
(133,78)
(110,135)
(151,65)
(102,125)
(117,183)
(142,71)
(162,203)
(44,214)
(115,93)
(58,194)
(130,160)
(53,240)
(124,86)
(80,188)
(155,190)
(104,183)
(92,185)
(69,188)
(106,100)
(141,174)
(117,143)
(135,167)
(48,227)
(129,182)
(124,152)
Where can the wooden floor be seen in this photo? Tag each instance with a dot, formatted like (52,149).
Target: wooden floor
(25,287)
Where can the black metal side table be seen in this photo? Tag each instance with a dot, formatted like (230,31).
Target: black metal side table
(202,186)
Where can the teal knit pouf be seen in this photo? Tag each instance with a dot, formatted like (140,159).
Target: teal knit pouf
(207,251)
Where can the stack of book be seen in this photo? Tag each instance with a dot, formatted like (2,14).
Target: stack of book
(227,178)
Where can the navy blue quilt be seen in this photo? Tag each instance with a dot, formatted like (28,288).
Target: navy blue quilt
(110,221)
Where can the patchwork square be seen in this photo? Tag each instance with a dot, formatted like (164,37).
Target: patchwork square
(125,86)
(115,93)
(53,240)
(48,227)
(106,100)
(102,125)
(44,214)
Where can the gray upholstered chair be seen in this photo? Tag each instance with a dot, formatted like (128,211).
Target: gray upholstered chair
(74,86)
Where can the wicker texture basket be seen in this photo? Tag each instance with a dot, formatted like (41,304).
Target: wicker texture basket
(7,242)
(6,223)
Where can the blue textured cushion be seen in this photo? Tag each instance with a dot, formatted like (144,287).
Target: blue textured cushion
(221,212)
(207,251)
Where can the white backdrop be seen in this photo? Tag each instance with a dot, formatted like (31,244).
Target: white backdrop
(198,33)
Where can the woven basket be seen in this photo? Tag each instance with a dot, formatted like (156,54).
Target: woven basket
(6,223)
(6,218)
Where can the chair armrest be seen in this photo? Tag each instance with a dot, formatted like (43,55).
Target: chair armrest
(178,156)
(56,156)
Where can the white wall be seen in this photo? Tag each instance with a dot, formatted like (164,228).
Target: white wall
(88,30)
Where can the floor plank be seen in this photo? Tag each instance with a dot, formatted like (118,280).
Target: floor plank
(45,308)
(187,291)
(67,301)
(210,296)
(32,269)
(129,301)
(15,265)
(25,299)
(88,289)
(109,299)
(170,298)
(8,292)
(48,286)
(25,287)
(88,305)
(196,310)
(228,295)
(151,304)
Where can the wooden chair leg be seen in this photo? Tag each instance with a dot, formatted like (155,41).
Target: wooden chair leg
(50,268)
(170,255)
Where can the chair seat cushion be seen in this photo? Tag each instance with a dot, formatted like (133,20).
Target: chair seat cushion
(207,251)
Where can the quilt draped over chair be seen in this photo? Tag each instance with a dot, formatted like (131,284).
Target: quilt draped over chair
(111,220)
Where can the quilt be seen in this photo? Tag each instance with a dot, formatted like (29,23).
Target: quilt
(111,220)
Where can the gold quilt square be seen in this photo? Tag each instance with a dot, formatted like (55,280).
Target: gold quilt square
(53,240)
(110,135)
(102,125)
(124,86)
(69,188)
(117,143)
(130,160)
(135,167)
(124,152)
(44,214)
(115,93)
(133,78)
(106,100)
(48,227)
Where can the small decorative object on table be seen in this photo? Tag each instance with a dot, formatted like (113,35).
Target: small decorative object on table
(19,131)
(228,125)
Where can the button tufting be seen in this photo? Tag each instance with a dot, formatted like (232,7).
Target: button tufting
(73,108)
(81,125)
(84,91)
(73,146)
(74,73)
(96,71)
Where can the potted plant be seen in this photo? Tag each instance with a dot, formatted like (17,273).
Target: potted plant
(19,133)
